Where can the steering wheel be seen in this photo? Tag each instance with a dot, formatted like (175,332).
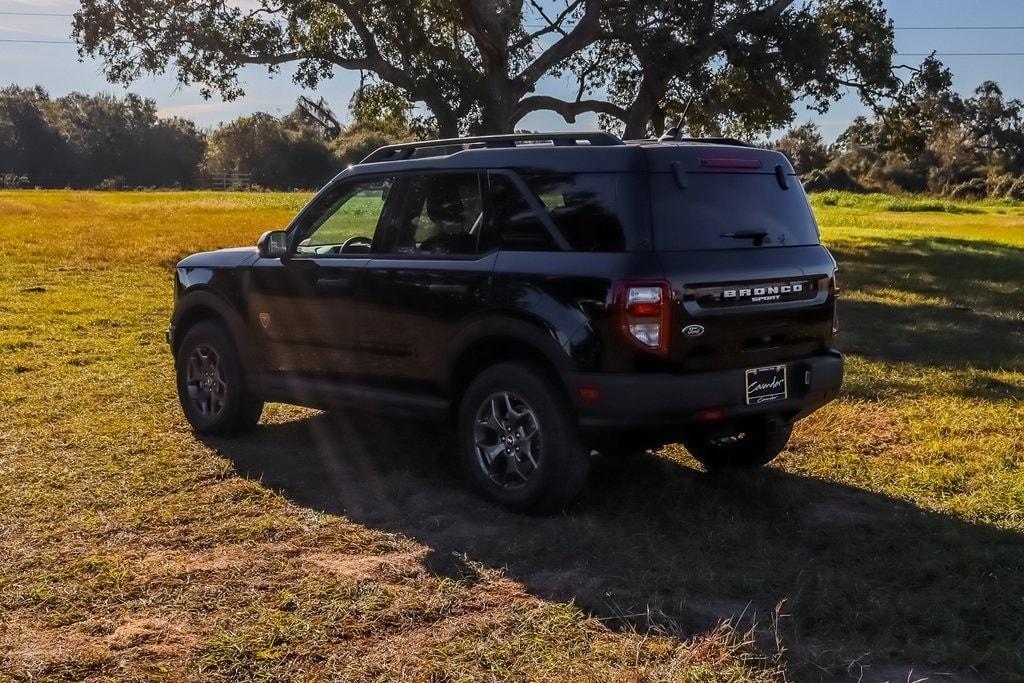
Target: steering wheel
(357,240)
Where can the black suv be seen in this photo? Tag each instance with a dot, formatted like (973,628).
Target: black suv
(546,295)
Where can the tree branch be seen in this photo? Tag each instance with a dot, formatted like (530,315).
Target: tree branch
(480,21)
(359,24)
(584,33)
(553,25)
(726,35)
(568,110)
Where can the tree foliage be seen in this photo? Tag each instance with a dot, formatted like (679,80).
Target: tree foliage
(805,147)
(100,140)
(927,138)
(476,65)
(277,153)
(84,139)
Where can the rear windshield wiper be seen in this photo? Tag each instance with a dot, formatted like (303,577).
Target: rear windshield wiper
(757,235)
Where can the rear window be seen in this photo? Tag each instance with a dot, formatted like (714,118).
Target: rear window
(715,206)
(585,208)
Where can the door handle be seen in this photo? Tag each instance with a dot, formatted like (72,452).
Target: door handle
(447,289)
(334,284)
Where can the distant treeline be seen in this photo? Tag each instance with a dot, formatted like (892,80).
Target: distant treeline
(103,141)
(926,139)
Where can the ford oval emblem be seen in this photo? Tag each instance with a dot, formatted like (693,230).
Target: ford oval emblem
(693,330)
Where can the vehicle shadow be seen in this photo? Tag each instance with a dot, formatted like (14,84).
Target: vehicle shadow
(655,543)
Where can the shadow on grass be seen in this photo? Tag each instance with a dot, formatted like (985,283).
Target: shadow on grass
(982,326)
(869,582)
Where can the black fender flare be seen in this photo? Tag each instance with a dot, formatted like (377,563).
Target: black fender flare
(532,333)
(208,304)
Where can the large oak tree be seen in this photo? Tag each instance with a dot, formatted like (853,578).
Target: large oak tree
(476,64)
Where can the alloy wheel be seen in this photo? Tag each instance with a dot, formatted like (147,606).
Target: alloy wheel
(206,386)
(507,439)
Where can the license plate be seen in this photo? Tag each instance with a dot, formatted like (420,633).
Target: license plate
(765,385)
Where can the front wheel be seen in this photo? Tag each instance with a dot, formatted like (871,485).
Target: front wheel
(746,446)
(518,440)
(211,383)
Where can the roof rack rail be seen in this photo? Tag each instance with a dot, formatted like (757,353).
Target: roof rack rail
(407,149)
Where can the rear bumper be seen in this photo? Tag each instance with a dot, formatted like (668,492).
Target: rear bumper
(632,401)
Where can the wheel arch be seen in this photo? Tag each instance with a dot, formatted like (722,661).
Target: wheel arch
(502,340)
(202,306)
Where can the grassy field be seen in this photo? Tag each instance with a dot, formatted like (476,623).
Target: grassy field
(886,544)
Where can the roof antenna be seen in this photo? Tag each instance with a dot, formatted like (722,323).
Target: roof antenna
(676,131)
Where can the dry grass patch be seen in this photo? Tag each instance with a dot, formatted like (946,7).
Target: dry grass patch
(338,548)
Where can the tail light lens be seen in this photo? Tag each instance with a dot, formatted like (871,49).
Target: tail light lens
(644,311)
(835,306)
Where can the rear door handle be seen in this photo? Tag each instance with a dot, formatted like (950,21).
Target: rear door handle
(447,289)
(334,284)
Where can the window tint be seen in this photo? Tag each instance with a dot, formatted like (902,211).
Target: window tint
(442,214)
(345,221)
(715,206)
(583,206)
(515,226)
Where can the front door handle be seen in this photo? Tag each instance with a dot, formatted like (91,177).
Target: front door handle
(447,289)
(334,285)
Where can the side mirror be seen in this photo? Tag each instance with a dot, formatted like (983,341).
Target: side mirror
(273,244)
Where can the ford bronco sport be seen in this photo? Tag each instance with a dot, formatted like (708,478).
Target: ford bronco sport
(545,295)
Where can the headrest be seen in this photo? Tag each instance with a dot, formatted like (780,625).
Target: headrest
(444,201)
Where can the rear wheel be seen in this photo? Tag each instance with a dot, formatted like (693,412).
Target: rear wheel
(518,440)
(211,383)
(746,446)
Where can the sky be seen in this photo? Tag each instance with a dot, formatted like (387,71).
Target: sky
(57,68)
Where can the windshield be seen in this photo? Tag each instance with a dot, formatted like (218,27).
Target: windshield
(730,211)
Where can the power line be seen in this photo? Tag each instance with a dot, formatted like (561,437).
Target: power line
(34,14)
(960,54)
(959,28)
(44,42)
(8,13)
(11,13)
(898,54)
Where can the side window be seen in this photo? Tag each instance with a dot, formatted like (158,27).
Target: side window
(584,207)
(346,222)
(442,215)
(514,225)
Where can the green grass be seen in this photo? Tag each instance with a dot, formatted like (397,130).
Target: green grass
(889,538)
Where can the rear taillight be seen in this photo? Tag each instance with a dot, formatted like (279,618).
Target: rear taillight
(644,311)
(835,303)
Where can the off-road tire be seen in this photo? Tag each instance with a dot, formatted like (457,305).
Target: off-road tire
(562,462)
(751,446)
(239,408)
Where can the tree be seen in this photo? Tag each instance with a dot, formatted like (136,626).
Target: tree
(29,145)
(318,114)
(84,139)
(476,64)
(930,138)
(175,149)
(275,154)
(380,116)
(805,148)
(997,125)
